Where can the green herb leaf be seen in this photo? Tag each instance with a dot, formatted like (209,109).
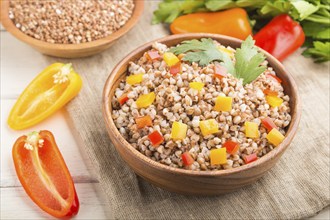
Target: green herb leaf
(248,58)
(316,31)
(202,52)
(215,5)
(320,52)
(248,61)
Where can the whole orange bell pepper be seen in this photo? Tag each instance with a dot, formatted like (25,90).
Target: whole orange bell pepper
(48,92)
(44,175)
(233,22)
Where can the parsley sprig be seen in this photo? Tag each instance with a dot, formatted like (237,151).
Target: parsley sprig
(248,58)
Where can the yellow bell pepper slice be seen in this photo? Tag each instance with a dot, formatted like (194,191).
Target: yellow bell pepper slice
(145,100)
(179,131)
(218,156)
(275,137)
(251,129)
(134,79)
(223,103)
(196,85)
(209,126)
(274,101)
(170,59)
(48,92)
(230,53)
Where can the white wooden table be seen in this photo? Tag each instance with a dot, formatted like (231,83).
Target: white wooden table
(19,65)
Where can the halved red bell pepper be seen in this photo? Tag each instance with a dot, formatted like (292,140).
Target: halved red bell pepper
(44,175)
(280,37)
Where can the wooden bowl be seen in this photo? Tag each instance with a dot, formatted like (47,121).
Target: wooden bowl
(187,181)
(70,50)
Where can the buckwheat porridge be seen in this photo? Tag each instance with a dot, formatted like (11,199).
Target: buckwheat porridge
(196,114)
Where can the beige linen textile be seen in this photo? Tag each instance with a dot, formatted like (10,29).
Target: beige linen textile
(297,187)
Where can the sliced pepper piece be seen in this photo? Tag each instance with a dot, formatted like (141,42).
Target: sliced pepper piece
(134,79)
(268,124)
(170,59)
(143,121)
(275,137)
(250,158)
(220,71)
(156,138)
(223,104)
(218,156)
(179,131)
(44,175)
(196,85)
(122,99)
(153,55)
(274,101)
(209,126)
(145,100)
(251,129)
(187,159)
(270,92)
(175,69)
(231,146)
(48,92)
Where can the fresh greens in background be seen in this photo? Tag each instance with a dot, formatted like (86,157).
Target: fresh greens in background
(248,59)
(313,15)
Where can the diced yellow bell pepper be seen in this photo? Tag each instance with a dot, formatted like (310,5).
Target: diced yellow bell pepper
(275,137)
(145,100)
(170,59)
(134,79)
(179,131)
(223,104)
(218,156)
(209,127)
(227,51)
(274,101)
(251,129)
(196,85)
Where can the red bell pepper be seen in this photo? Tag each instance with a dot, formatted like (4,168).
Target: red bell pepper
(273,77)
(122,99)
(280,37)
(220,71)
(250,158)
(143,121)
(156,138)
(44,175)
(187,159)
(153,55)
(270,92)
(175,69)
(231,146)
(268,124)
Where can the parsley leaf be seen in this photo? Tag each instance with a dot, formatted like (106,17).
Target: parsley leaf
(248,61)
(248,58)
(320,52)
(202,52)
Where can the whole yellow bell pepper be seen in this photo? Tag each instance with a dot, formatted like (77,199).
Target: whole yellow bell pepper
(48,92)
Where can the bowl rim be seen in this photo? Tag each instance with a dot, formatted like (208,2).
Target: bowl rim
(107,115)
(9,25)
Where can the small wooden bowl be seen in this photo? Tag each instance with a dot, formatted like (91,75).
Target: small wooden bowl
(70,50)
(196,182)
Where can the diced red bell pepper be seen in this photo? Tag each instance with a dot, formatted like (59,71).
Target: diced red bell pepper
(156,138)
(250,158)
(280,37)
(231,146)
(153,55)
(187,159)
(271,76)
(270,92)
(220,71)
(175,69)
(122,99)
(268,124)
(143,121)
